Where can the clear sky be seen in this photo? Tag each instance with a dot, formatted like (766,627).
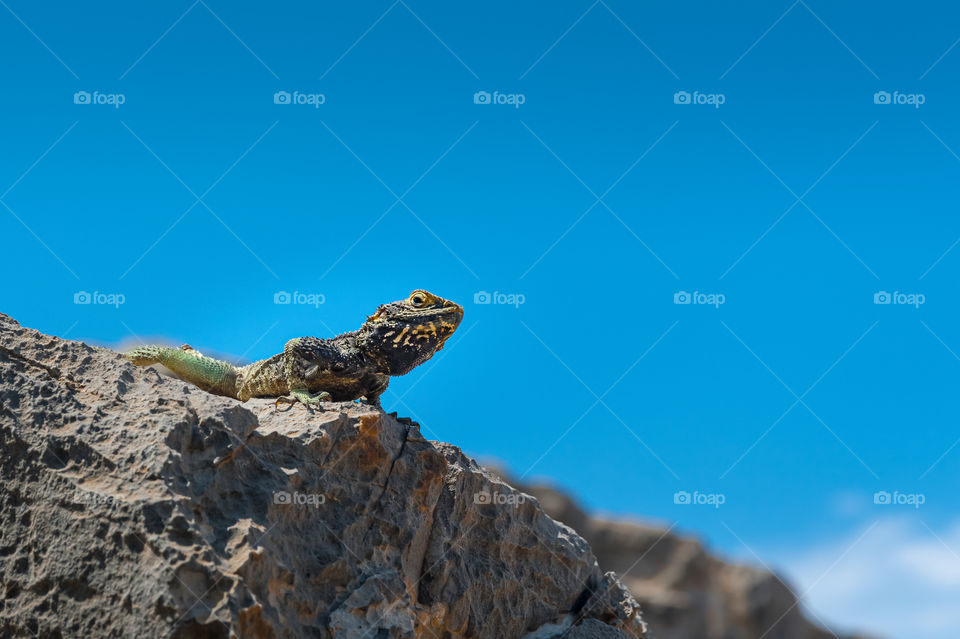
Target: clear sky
(777,165)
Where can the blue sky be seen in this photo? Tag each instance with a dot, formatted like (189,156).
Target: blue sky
(782,163)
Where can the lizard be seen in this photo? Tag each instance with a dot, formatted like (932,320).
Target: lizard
(398,337)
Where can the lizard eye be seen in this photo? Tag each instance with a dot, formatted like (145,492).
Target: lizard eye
(418,299)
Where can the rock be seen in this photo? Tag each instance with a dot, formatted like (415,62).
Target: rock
(685,592)
(134,505)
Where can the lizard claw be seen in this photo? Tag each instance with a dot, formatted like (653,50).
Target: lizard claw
(303,397)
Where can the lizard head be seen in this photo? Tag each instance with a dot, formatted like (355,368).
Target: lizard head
(404,334)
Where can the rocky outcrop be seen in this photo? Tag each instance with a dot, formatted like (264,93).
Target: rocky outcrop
(133,505)
(685,592)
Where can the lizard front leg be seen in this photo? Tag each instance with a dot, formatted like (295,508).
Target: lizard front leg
(297,369)
(377,386)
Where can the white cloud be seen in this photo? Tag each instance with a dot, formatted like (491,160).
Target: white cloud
(894,578)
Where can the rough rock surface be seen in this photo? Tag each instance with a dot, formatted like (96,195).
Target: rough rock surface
(685,592)
(133,505)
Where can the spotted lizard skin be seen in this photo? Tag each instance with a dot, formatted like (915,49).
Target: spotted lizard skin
(398,337)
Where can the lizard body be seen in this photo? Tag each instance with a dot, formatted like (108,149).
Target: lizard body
(394,340)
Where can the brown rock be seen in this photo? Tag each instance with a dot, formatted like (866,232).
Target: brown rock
(134,505)
(685,592)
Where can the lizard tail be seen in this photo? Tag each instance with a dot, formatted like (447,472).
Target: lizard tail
(211,375)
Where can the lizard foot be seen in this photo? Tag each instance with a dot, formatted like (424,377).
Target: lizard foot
(373,402)
(303,397)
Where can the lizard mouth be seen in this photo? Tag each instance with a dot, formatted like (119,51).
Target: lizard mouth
(452,314)
(453,308)
(449,317)
(448,311)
